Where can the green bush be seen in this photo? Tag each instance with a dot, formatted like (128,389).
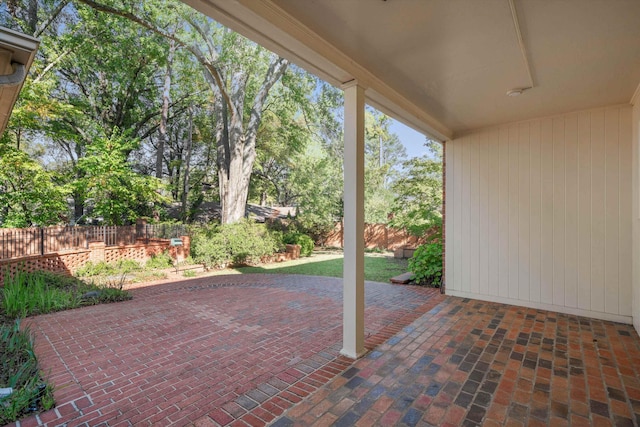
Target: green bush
(102,268)
(91,269)
(157,261)
(239,243)
(305,242)
(127,266)
(426,264)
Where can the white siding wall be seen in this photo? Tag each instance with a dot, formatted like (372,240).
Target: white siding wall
(636,214)
(539,213)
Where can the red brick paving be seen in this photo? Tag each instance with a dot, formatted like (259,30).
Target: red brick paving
(471,363)
(225,350)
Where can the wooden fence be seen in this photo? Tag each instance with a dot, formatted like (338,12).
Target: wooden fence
(376,236)
(22,242)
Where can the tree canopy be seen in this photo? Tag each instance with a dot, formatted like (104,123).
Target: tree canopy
(146,108)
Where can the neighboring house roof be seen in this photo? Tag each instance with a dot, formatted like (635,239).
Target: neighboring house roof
(17,51)
(209,211)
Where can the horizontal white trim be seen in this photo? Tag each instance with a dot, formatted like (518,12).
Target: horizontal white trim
(542,306)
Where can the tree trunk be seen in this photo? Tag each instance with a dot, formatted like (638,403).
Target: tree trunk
(164,115)
(187,168)
(237,145)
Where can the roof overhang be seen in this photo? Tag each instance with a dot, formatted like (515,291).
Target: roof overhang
(17,52)
(273,28)
(444,67)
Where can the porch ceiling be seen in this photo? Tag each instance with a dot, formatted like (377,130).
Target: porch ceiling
(444,66)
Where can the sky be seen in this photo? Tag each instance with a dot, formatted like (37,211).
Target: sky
(413,141)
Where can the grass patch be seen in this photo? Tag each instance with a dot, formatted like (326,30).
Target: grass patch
(28,294)
(377,267)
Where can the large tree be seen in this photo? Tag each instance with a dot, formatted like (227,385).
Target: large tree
(240,75)
(418,203)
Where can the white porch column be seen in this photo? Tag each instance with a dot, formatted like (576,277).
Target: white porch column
(353,277)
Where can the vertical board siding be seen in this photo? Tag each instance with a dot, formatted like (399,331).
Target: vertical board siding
(534,213)
(483,180)
(492,245)
(541,212)
(571,211)
(503,212)
(524,211)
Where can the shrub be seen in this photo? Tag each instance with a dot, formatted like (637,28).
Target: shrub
(162,260)
(305,242)
(39,292)
(426,264)
(28,293)
(242,242)
(19,370)
(100,268)
(127,266)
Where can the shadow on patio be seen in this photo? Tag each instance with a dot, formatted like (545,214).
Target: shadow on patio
(245,350)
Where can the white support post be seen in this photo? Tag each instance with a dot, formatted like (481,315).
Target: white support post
(353,275)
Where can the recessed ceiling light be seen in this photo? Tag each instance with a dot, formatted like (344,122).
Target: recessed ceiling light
(517,91)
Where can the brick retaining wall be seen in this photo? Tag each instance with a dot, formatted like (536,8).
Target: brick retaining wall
(68,262)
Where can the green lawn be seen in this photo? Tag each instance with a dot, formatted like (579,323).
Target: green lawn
(377,267)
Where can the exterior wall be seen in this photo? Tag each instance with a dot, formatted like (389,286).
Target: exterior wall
(539,214)
(636,213)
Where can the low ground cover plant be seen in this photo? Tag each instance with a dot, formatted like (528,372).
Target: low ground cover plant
(25,294)
(426,264)
(102,268)
(19,371)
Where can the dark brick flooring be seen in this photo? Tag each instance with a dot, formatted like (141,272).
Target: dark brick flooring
(467,362)
(236,350)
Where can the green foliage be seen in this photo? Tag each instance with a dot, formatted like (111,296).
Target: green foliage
(19,370)
(305,242)
(418,204)
(119,194)
(426,264)
(29,194)
(383,155)
(158,261)
(26,294)
(123,266)
(242,242)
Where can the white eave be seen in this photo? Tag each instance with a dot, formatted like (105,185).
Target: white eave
(17,52)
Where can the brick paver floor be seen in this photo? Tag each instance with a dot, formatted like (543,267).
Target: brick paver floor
(469,363)
(222,350)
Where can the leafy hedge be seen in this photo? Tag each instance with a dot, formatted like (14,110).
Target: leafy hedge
(305,242)
(240,243)
(426,264)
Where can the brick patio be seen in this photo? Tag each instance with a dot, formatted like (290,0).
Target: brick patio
(261,349)
(225,349)
(472,363)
